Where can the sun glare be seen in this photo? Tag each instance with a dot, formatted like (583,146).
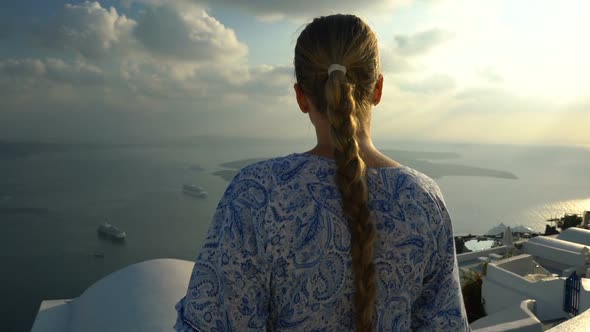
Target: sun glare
(537,48)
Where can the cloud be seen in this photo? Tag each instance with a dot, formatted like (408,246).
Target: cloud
(87,29)
(172,31)
(491,114)
(402,56)
(500,102)
(189,35)
(277,9)
(489,74)
(198,89)
(422,42)
(49,85)
(393,62)
(171,49)
(50,69)
(22,68)
(515,120)
(265,81)
(430,85)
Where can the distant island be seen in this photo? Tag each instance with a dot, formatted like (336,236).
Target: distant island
(418,160)
(226,174)
(421,161)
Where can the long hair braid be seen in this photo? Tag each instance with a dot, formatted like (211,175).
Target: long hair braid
(345,98)
(351,180)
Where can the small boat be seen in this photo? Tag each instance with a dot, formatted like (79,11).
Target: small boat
(111,231)
(194,190)
(98,254)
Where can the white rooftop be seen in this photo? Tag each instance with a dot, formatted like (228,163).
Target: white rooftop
(139,297)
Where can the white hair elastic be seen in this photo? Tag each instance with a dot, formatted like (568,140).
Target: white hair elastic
(336,66)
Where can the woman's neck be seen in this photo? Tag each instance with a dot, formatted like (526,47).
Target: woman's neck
(370,155)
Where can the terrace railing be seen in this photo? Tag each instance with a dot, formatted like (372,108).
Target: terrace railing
(571,299)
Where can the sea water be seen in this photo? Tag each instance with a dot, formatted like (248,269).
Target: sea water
(52,202)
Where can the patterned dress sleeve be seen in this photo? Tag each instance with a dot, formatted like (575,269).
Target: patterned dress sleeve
(440,305)
(229,285)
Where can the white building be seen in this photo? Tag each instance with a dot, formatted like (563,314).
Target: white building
(538,272)
(519,278)
(577,235)
(559,256)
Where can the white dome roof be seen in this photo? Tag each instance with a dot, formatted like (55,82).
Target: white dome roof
(140,297)
(575,234)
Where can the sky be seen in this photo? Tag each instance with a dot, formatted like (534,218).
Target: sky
(502,71)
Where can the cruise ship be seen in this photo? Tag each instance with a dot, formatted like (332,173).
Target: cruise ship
(194,190)
(111,231)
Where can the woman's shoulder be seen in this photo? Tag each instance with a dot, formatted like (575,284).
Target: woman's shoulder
(417,177)
(409,179)
(264,165)
(280,166)
(265,171)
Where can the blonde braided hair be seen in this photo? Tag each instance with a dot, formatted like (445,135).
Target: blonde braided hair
(345,98)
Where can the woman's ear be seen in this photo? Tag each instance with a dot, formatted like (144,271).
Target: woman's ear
(378,90)
(301,99)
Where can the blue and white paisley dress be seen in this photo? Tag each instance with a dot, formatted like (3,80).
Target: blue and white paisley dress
(277,254)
